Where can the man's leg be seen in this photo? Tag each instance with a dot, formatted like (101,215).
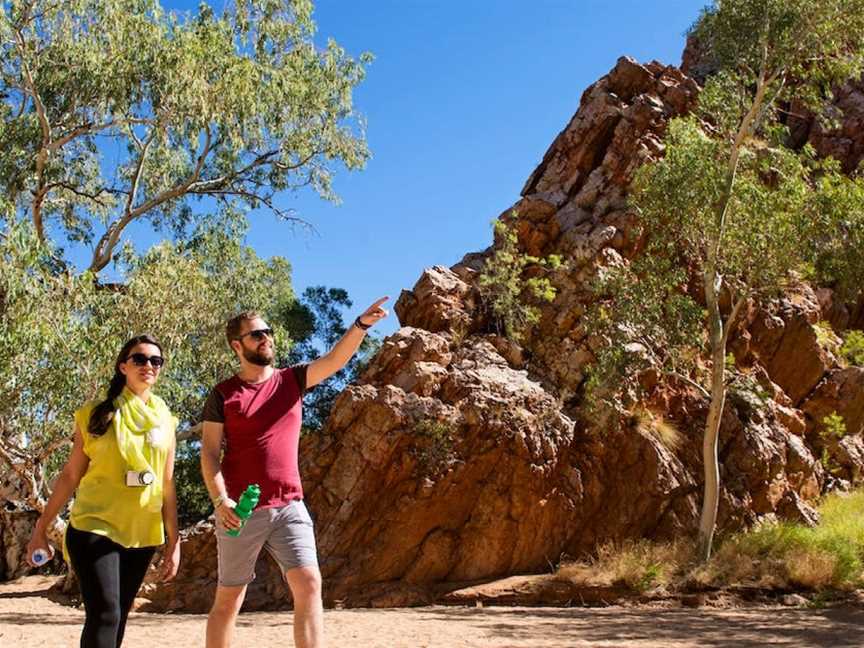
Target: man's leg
(236,556)
(223,615)
(305,584)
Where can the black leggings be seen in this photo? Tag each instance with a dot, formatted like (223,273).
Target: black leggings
(110,576)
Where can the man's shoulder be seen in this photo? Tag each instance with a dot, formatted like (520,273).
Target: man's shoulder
(227,386)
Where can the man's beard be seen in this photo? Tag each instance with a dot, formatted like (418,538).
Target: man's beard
(256,357)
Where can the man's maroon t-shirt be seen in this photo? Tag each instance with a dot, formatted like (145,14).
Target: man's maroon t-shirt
(261,434)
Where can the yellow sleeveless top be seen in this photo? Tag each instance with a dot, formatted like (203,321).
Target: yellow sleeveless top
(131,516)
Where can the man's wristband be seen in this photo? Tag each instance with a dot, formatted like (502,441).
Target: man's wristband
(217,501)
(361,325)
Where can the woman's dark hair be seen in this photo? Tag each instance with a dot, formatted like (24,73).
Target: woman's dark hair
(104,411)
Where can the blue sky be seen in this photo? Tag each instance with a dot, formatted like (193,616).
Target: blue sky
(462,101)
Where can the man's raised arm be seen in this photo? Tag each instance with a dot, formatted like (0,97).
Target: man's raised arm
(328,364)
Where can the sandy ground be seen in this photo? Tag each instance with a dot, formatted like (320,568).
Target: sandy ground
(28,618)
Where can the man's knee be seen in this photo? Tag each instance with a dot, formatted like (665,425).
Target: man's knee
(228,600)
(305,583)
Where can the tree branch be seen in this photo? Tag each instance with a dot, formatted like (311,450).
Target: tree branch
(281,213)
(136,179)
(86,129)
(222,181)
(742,301)
(689,381)
(193,432)
(744,131)
(109,240)
(34,500)
(42,154)
(79,192)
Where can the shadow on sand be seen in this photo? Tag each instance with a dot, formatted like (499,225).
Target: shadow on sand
(742,628)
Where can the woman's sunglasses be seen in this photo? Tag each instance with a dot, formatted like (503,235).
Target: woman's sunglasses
(258,334)
(141,360)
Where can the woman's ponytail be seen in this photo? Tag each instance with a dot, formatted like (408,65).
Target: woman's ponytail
(104,411)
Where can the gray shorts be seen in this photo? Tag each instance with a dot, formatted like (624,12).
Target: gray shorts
(285,532)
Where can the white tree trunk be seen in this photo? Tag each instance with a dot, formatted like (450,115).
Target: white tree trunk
(711,499)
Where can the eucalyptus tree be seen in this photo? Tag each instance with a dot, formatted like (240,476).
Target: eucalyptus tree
(732,207)
(60,332)
(116,111)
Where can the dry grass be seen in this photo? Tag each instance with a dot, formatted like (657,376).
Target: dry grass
(655,425)
(772,556)
(640,565)
(813,569)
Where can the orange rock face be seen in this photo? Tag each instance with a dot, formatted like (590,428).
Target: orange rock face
(461,456)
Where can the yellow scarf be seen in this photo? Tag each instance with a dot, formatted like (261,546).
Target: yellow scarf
(134,419)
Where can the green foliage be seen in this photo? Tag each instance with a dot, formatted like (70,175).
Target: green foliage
(815,43)
(436,444)
(761,237)
(825,336)
(644,317)
(193,501)
(834,230)
(506,286)
(649,577)
(729,205)
(833,426)
(839,538)
(853,347)
(59,335)
(113,111)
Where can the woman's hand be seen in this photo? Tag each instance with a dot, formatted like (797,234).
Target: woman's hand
(170,561)
(39,540)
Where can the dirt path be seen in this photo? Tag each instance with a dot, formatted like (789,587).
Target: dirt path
(28,619)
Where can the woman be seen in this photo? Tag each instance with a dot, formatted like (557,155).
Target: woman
(122,465)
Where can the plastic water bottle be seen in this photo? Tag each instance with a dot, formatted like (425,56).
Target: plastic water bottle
(248,501)
(39,557)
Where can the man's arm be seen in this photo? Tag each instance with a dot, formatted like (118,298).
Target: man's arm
(321,369)
(211,470)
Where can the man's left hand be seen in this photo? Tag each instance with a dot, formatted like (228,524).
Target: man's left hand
(374,313)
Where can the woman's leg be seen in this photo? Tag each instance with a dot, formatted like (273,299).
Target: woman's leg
(133,568)
(96,561)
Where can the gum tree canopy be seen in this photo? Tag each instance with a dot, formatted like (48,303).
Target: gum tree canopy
(114,111)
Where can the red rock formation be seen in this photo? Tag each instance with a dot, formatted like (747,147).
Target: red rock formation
(461,456)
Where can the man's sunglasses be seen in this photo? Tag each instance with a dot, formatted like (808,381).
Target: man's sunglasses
(257,334)
(141,360)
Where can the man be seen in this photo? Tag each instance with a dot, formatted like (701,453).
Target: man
(257,414)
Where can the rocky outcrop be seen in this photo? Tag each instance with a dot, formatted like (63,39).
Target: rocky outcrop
(461,456)
(451,477)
